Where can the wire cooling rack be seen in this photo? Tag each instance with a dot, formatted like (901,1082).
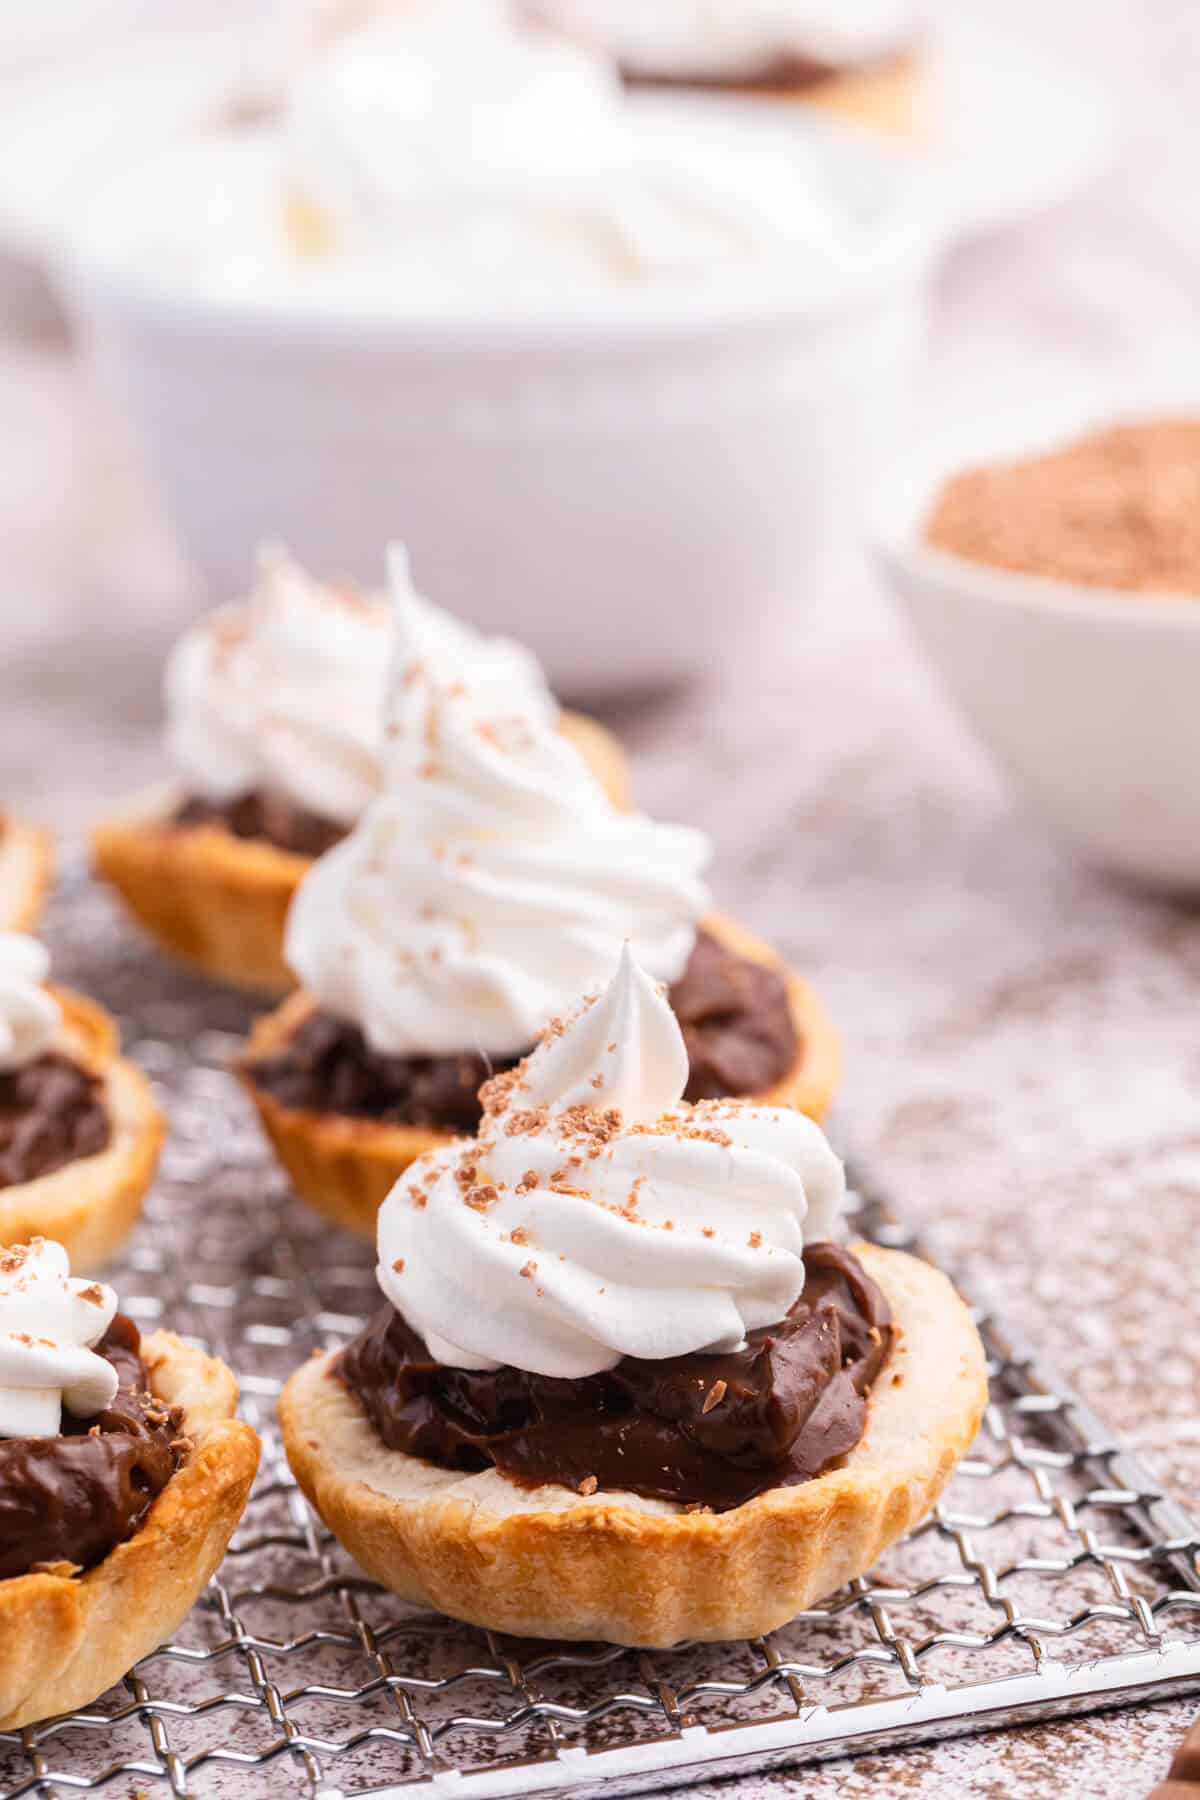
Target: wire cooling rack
(1054,1577)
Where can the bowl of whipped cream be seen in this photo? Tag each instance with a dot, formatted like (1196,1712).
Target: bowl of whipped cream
(616,367)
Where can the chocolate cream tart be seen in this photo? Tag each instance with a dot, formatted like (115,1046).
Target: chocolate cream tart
(627,1385)
(489,884)
(122,1475)
(79,1130)
(275,724)
(859,59)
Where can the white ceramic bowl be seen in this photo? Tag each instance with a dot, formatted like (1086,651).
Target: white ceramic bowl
(1088,699)
(628,492)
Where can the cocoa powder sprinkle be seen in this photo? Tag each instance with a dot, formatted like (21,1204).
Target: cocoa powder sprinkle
(1118,508)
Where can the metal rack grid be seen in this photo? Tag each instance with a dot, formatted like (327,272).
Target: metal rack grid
(1054,1577)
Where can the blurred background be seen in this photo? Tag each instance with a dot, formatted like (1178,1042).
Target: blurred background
(1040,180)
(680,523)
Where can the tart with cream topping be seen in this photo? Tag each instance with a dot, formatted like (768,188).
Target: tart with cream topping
(275,723)
(122,1475)
(79,1130)
(858,59)
(626,1386)
(26,866)
(490,884)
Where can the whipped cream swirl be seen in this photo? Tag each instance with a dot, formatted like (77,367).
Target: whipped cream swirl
(49,1323)
(283,694)
(732,39)
(453,157)
(458,149)
(29,1015)
(598,1216)
(493,881)
(432,650)
(445,118)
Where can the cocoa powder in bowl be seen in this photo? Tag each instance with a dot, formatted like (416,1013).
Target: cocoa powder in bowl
(1119,508)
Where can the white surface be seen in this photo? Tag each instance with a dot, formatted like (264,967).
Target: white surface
(1086,698)
(676,471)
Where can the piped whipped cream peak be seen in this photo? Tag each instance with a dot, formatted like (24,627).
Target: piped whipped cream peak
(493,881)
(579,1230)
(283,694)
(433,651)
(624,1050)
(29,1015)
(49,1323)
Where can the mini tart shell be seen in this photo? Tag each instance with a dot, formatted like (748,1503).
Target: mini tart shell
(26,870)
(549,1563)
(891,97)
(90,1205)
(219,902)
(345,1167)
(64,1639)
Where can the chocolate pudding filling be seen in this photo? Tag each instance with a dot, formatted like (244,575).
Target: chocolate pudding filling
(737,1023)
(73,1498)
(52,1112)
(702,1430)
(735,1017)
(266,819)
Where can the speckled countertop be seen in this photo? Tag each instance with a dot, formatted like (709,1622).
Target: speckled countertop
(1023,1060)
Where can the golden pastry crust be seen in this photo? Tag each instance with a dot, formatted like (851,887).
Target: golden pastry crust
(219,903)
(90,1205)
(345,1167)
(26,870)
(551,1563)
(892,97)
(601,750)
(65,1639)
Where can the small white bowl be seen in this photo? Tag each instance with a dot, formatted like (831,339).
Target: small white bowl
(630,490)
(1088,698)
